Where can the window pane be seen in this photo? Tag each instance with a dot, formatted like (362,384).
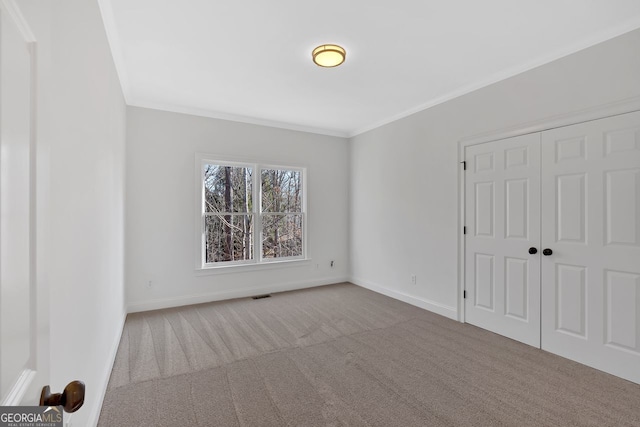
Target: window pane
(228,238)
(281,190)
(281,236)
(227,189)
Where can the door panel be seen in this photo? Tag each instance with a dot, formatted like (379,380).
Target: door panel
(622,226)
(622,310)
(570,224)
(484,281)
(484,209)
(591,221)
(571,300)
(517,285)
(503,221)
(516,209)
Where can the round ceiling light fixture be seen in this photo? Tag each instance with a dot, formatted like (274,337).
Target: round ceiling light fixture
(328,55)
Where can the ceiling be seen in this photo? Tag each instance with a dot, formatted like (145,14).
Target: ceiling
(250,60)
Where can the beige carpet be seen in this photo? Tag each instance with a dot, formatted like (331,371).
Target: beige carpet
(341,355)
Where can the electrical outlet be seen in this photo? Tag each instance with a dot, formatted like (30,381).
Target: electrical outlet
(150,284)
(414,279)
(331,263)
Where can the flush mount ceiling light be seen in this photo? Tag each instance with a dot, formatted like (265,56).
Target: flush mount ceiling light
(329,55)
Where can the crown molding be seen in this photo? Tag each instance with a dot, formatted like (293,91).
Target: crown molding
(236,118)
(601,37)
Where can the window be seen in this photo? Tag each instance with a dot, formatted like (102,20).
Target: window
(228,219)
(281,192)
(250,213)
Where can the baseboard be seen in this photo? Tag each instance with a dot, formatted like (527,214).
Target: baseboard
(435,307)
(95,416)
(161,303)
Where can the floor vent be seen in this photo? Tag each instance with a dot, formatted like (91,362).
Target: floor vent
(261,296)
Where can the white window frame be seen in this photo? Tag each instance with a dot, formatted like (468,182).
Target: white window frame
(256,213)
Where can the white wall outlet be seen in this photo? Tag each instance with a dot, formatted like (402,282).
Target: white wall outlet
(414,279)
(150,284)
(331,263)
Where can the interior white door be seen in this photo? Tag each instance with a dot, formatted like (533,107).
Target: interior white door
(591,222)
(502,217)
(23,305)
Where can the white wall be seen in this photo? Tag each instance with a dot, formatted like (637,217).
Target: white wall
(81,194)
(160,207)
(404,176)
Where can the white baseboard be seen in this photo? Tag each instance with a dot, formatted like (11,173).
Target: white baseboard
(95,416)
(435,307)
(160,303)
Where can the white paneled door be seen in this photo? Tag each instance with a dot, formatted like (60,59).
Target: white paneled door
(591,223)
(573,194)
(502,279)
(23,300)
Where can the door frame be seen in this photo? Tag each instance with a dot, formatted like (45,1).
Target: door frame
(38,356)
(624,106)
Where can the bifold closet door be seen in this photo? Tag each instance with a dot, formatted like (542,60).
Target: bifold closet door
(502,216)
(591,223)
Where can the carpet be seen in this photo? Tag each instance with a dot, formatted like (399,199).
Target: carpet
(341,355)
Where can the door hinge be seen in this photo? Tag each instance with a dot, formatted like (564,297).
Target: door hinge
(464,294)
(464,165)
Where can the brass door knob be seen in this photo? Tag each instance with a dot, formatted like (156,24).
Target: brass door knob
(71,399)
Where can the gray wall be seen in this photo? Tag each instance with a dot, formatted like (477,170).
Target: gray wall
(404,175)
(160,207)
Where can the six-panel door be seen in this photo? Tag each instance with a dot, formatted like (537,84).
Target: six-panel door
(591,221)
(503,223)
(586,272)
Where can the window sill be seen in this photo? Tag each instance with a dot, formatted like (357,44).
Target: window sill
(243,268)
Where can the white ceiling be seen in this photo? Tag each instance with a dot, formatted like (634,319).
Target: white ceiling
(250,60)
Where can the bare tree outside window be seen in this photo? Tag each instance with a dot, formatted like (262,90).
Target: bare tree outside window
(281,213)
(230,207)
